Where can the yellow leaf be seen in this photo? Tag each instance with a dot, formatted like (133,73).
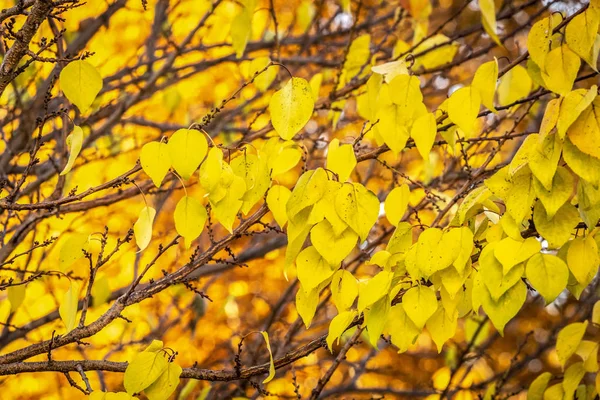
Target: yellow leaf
(306,304)
(241,27)
(396,203)
(582,258)
(291,107)
(562,188)
(332,248)
(264,80)
(392,127)
(538,41)
(165,385)
(75,142)
(271,375)
(312,268)
(143,370)
(358,56)
(571,107)
(488,19)
(72,250)
(155,161)
(568,340)
(375,289)
(551,117)
(463,108)
(68,306)
(315,85)
(419,303)
(100,290)
(443,54)
(309,189)
(376,318)
(492,274)
(571,379)
(520,196)
(358,207)
(585,131)
(277,199)
(142,228)
(581,34)
(391,70)
(585,166)
(16,295)
(211,169)
(402,330)
(596,313)
(514,85)
(405,92)
(588,351)
(442,327)
(305,14)
(187,148)
(81,83)
(423,132)
(226,209)
(338,326)
(561,70)
(190,216)
(506,307)
(538,386)
(484,82)
(341,159)
(344,290)
(548,275)
(433,252)
(558,229)
(543,158)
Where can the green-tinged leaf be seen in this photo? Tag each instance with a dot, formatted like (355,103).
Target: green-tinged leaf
(309,189)
(143,370)
(72,250)
(68,306)
(538,386)
(568,340)
(375,319)
(165,385)
(16,295)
